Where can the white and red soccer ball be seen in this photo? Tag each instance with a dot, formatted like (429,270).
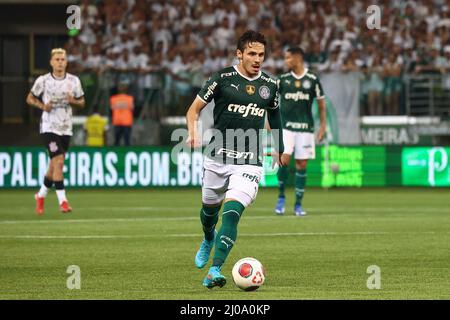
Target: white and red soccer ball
(248,274)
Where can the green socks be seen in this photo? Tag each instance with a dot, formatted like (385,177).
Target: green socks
(232,212)
(300,182)
(282,175)
(209,217)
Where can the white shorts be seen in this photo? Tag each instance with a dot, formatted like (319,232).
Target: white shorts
(303,143)
(229,181)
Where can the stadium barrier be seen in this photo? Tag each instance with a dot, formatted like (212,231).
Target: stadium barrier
(148,167)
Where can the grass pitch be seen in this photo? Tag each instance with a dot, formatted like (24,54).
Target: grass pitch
(140,244)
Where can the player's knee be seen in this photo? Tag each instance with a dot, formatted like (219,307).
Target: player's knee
(210,198)
(301,164)
(241,196)
(212,205)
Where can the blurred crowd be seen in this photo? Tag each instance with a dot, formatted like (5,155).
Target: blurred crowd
(164,50)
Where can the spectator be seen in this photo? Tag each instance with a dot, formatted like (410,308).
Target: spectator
(392,85)
(315,56)
(95,128)
(374,86)
(333,64)
(224,35)
(122,106)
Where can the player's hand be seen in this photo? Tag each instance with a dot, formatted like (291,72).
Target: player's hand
(281,160)
(47,107)
(70,99)
(321,134)
(193,142)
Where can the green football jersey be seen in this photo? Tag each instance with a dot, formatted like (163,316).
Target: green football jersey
(297,95)
(240,105)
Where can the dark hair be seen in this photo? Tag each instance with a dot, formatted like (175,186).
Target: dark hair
(296,50)
(250,36)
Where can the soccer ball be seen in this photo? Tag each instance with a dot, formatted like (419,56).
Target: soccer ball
(248,274)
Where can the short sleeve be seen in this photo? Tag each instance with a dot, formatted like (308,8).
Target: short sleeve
(210,88)
(319,94)
(38,87)
(78,91)
(276,99)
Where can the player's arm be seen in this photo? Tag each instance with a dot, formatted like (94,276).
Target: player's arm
(192,116)
(320,97)
(206,94)
(274,120)
(76,102)
(323,118)
(77,99)
(37,91)
(35,102)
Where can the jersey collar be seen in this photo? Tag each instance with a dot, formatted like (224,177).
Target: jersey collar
(300,76)
(65,74)
(249,79)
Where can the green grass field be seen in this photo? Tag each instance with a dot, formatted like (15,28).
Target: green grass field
(140,245)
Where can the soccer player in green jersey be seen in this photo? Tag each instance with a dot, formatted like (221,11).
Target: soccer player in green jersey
(243,95)
(298,89)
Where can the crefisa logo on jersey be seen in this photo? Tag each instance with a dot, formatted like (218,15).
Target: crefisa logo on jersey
(264,92)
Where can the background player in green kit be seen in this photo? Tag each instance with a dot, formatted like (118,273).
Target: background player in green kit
(232,170)
(298,89)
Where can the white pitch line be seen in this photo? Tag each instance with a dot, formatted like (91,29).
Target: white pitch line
(132,219)
(333,209)
(195,235)
(247,216)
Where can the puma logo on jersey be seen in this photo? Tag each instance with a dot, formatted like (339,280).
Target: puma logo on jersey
(288,81)
(235,154)
(235,86)
(296,96)
(245,110)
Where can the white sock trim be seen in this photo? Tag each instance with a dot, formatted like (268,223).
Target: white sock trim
(43,192)
(61,195)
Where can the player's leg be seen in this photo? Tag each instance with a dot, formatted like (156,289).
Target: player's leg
(58,175)
(214,184)
(283,172)
(209,216)
(304,150)
(43,191)
(242,190)
(48,178)
(300,183)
